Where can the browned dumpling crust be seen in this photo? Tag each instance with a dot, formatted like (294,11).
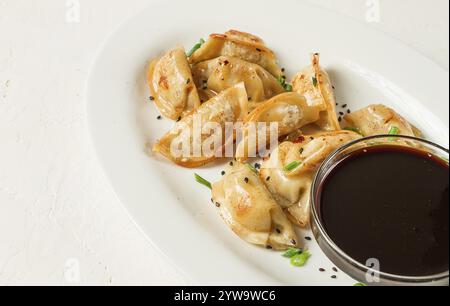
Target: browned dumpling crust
(315,85)
(289,110)
(379,120)
(228,107)
(249,209)
(291,188)
(172,86)
(241,45)
(214,76)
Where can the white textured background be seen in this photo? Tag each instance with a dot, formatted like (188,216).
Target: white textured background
(57,212)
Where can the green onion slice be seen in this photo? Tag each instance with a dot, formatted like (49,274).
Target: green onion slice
(196,47)
(250,166)
(315,82)
(292,166)
(301,259)
(394,131)
(202,181)
(292,252)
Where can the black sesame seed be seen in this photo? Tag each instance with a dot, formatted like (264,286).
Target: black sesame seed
(258,49)
(159,117)
(269,247)
(308,238)
(340,119)
(188,81)
(231,164)
(283,69)
(312,138)
(293,242)
(257,166)
(246,180)
(349,111)
(334,277)
(335,270)
(179,119)
(223,173)
(344,106)
(152,98)
(218,204)
(301,151)
(268,178)
(278,231)
(341,113)
(322,270)
(249,98)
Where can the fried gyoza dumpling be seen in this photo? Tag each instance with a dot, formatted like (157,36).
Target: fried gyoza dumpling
(315,85)
(171,85)
(380,120)
(290,170)
(289,110)
(249,209)
(190,148)
(214,76)
(241,45)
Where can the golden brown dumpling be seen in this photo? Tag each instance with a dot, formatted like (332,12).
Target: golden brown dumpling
(179,145)
(315,85)
(171,85)
(214,76)
(291,187)
(289,110)
(379,120)
(241,45)
(250,211)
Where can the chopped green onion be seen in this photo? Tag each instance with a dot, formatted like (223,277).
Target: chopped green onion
(202,181)
(196,47)
(301,259)
(282,81)
(315,82)
(359,285)
(352,129)
(292,166)
(252,168)
(292,252)
(394,131)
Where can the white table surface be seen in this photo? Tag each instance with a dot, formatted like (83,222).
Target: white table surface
(60,223)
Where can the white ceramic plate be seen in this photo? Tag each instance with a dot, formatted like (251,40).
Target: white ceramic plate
(171,209)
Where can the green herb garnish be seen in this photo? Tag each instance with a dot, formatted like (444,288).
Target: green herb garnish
(282,81)
(292,252)
(202,181)
(394,130)
(196,47)
(301,259)
(292,166)
(250,166)
(359,285)
(315,82)
(352,129)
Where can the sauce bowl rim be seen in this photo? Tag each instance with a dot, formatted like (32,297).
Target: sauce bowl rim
(328,162)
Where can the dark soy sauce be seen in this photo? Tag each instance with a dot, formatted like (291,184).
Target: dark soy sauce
(390,203)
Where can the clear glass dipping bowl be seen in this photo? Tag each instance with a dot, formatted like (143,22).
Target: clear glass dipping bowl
(355,269)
